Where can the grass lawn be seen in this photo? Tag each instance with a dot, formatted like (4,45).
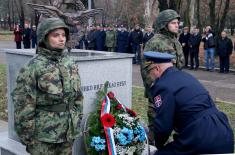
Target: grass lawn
(3,93)
(6,37)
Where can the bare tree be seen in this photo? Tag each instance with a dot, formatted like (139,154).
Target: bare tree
(198,16)
(212,12)
(163,5)
(190,13)
(223,17)
(150,12)
(217,21)
(175,5)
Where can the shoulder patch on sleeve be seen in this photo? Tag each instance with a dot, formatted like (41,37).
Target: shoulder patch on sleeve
(157,101)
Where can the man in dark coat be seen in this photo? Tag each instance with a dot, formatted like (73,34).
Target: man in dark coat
(224,48)
(148,35)
(183,39)
(34,36)
(136,39)
(182,104)
(100,38)
(122,40)
(26,36)
(91,38)
(194,43)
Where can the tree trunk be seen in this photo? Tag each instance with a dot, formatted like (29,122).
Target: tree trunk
(150,12)
(175,5)
(191,13)
(231,22)
(163,5)
(147,12)
(22,17)
(198,16)
(13,12)
(212,13)
(187,20)
(9,14)
(223,18)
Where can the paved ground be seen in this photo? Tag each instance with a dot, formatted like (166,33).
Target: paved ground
(3,126)
(5,44)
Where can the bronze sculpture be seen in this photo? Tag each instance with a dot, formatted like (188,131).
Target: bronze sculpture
(73,12)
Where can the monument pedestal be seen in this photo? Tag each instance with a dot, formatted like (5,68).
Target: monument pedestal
(11,147)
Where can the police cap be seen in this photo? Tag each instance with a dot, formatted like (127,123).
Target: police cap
(158,57)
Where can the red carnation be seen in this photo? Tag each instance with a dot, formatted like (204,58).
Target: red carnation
(131,112)
(111,95)
(118,107)
(108,120)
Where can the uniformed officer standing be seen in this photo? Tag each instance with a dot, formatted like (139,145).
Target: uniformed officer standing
(165,40)
(47,97)
(182,104)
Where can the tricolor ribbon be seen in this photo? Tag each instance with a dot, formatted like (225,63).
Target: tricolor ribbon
(108,131)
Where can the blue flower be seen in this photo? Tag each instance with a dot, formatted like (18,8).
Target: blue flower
(125,136)
(140,132)
(98,143)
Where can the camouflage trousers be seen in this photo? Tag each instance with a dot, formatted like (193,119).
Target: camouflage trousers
(111,49)
(43,148)
(151,116)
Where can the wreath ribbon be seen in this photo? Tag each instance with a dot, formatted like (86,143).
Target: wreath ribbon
(105,109)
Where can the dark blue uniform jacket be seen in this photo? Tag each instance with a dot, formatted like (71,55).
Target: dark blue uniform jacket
(184,105)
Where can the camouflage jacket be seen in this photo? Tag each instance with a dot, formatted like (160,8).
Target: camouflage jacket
(111,38)
(162,43)
(49,79)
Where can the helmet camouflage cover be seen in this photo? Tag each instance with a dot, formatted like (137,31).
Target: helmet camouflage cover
(49,24)
(165,17)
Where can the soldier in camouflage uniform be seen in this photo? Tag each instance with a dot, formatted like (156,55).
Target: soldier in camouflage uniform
(165,40)
(47,97)
(111,39)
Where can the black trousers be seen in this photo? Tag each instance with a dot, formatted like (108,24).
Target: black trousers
(186,55)
(18,44)
(136,51)
(27,44)
(224,63)
(194,58)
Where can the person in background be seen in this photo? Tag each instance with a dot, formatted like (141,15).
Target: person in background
(148,35)
(136,40)
(224,47)
(194,43)
(34,36)
(122,40)
(18,36)
(91,38)
(183,39)
(111,39)
(26,36)
(100,38)
(209,48)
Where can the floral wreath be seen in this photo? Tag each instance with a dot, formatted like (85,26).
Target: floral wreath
(113,129)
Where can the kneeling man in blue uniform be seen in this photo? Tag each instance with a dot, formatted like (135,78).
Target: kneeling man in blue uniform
(182,104)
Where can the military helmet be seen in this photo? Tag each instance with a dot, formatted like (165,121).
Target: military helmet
(165,17)
(49,24)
